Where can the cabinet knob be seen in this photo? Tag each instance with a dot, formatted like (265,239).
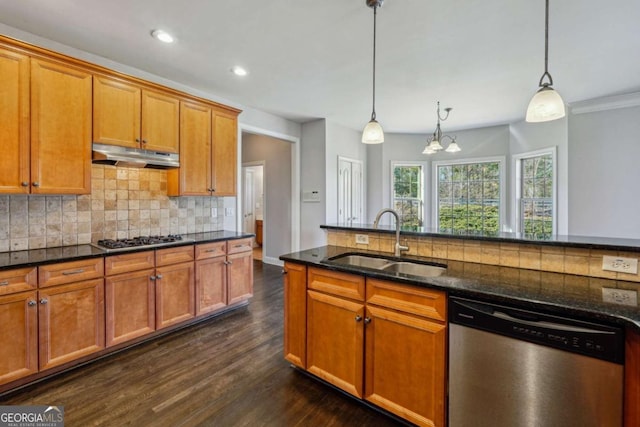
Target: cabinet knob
(152,278)
(367,320)
(31,303)
(158,276)
(284,271)
(36,184)
(24,184)
(358,318)
(144,141)
(44,301)
(137,139)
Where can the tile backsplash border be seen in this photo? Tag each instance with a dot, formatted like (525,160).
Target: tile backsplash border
(124,202)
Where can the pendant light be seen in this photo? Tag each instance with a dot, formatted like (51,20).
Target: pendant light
(546,104)
(373,133)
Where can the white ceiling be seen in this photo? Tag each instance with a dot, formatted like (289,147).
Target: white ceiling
(312,59)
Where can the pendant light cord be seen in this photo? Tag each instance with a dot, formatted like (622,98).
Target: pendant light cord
(546,48)
(373,109)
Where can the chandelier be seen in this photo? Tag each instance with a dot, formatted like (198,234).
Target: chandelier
(434,143)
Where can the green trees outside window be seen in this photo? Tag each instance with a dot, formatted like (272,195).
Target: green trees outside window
(407,194)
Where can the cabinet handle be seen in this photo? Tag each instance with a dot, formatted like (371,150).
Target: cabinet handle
(69,273)
(211,250)
(44,301)
(24,184)
(158,276)
(358,318)
(367,320)
(36,184)
(5,283)
(152,278)
(31,303)
(239,246)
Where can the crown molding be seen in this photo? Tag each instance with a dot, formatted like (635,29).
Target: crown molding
(606,103)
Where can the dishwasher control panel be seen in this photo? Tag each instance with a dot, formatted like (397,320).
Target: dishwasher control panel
(590,339)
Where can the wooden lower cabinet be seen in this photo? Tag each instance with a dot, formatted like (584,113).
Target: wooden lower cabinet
(335,341)
(295,314)
(384,342)
(71,322)
(239,276)
(130,300)
(632,379)
(405,365)
(18,336)
(211,284)
(175,294)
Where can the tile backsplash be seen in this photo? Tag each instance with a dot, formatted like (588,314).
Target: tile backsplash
(124,202)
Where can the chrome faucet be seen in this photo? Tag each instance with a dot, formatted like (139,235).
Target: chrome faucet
(398,247)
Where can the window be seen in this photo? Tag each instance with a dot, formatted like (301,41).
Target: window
(536,193)
(408,194)
(469,195)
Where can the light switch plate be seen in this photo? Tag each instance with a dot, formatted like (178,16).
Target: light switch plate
(620,264)
(362,239)
(620,296)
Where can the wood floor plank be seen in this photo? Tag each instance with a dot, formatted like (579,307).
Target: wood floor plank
(227,371)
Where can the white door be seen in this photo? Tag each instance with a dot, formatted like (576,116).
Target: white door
(248,202)
(350,191)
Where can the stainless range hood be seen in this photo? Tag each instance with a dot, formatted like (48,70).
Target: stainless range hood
(133,157)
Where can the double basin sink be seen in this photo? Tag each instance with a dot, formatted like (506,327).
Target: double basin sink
(388,265)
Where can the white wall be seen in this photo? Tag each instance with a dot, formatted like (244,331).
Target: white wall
(604,173)
(313,178)
(276,155)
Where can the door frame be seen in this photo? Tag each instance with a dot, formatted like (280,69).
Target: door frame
(262,164)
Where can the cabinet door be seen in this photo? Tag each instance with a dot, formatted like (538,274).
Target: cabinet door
(240,276)
(18,336)
(70,321)
(160,122)
(116,112)
(14,122)
(335,341)
(405,365)
(224,153)
(60,129)
(130,302)
(295,313)
(175,299)
(211,285)
(193,178)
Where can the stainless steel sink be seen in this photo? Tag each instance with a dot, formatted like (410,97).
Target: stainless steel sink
(415,269)
(389,265)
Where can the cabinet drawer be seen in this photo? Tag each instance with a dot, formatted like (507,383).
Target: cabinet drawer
(211,250)
(239,245)
(18,280)
(409,299)
(125,263)
(69,272)
(170,256)
(336,283)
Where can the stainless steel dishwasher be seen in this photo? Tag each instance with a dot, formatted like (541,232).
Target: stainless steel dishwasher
(510,367)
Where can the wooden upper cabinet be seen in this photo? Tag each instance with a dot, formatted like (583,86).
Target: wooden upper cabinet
(127,115)
(224,153)
(193,178)
(14,122)
(60,128)
(116,112)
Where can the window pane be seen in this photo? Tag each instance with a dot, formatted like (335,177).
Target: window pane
(407,194)
(536,203)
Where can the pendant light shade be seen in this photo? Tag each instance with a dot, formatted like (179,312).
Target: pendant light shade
(546,104)
(373,133)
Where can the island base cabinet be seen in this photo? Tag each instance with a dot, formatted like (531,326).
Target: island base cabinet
(18,336)
(335,341)
(405,365)
(295,314)
(71,322)
(130,306)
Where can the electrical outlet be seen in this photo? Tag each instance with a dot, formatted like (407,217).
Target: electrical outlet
(620,264)
(214,212)
(228,211)
(362,239)
(620,296)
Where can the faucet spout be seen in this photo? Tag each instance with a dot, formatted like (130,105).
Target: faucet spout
(398,247)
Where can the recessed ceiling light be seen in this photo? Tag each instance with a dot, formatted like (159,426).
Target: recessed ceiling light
(162,35)
(239,71)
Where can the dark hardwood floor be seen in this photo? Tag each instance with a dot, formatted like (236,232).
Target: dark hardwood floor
(227,371)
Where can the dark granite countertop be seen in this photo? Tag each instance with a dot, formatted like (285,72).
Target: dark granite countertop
(35,257)
(555,293)
(585,242)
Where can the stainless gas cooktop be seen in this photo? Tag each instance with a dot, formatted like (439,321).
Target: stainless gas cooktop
(140,242)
